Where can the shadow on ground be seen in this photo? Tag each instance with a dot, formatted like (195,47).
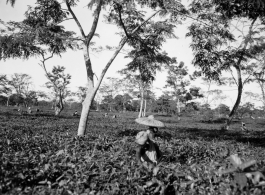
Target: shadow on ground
(255,138)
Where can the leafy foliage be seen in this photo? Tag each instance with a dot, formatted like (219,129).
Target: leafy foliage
(58,82)
(40,32)
(39,154)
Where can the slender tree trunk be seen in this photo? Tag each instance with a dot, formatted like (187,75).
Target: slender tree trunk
(7,102)
(144,113)
(57,110)
(239,78)
(141,107)
(59,106)
(124,108)
(91,92)
(178,107)
(238,100)
(208,93)
(85,112)
(261,84)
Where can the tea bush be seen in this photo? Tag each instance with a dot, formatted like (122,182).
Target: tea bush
(42,155)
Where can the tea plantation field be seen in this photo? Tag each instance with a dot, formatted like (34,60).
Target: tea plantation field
(40,154)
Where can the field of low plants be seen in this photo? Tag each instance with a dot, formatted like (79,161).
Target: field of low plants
(40,154)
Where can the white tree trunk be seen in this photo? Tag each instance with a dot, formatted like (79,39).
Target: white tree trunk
(91,89)
(141,108)
(84,114)
(59,107)
(144,113)
(142,103)
(124,108)
(178,107)
(57,110)
(7,102)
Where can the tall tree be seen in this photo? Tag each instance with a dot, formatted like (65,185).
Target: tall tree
(81,93)
(176,81)
(213,39)
(58,82)
(126,15)
(126,88)
(147,56)
(20,83)
(258,76)
(109,90)
(5,88)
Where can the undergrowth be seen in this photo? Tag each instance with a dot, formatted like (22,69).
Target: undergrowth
(42,155)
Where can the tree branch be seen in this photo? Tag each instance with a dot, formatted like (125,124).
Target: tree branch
(122,43)
(95,23)
(198,20)
(44,67)
(75,18)
(122,24)
(233,76)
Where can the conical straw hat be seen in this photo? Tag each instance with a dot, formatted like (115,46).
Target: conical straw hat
(149,121)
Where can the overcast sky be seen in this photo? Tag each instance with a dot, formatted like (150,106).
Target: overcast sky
(74,61)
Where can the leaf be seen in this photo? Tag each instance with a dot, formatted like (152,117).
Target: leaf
(190,178)
(247,164)
(241,179)
(43,182)
(226,171)
(148,184)
(235,160)
(59,152)
(21,176)
(62,182)
(262,183)
(255,177)
(155,170)
(46,167)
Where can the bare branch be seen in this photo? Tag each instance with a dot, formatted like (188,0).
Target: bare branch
(122,43)
(233,76)
(95,22)
(75,18)
(122,24)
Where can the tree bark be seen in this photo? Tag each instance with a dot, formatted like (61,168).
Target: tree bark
(59,106)
(239,79)
(141,104)
(85,112)
(178,107)
(92,90)
(57,110)
(144,113)
(240,90)
(7,102)
(263,93)
(124,108)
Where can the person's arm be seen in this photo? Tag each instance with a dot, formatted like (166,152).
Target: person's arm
(158,152)
(139,153)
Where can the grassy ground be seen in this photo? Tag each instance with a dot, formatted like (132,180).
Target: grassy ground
(40,154)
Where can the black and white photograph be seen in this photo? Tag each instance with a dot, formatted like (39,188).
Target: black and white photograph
(132,97)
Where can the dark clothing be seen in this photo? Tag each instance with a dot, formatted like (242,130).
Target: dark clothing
(143,151)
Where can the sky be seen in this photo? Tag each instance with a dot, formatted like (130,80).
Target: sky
(74,61)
